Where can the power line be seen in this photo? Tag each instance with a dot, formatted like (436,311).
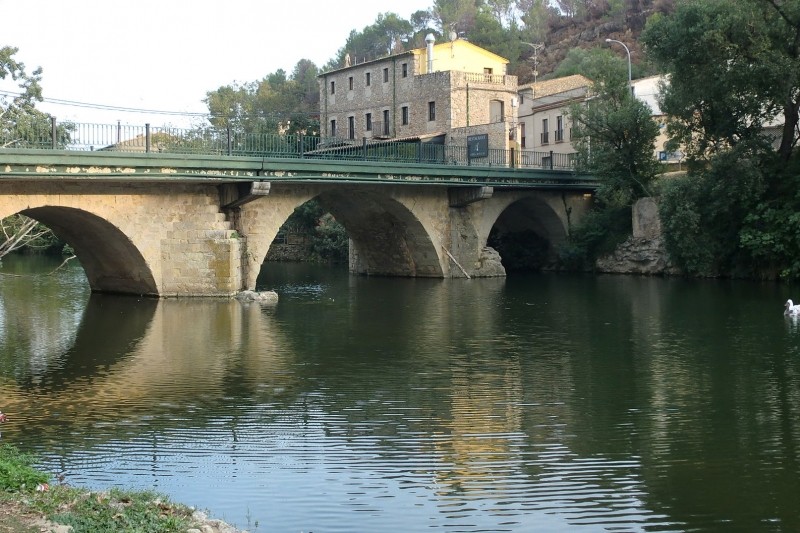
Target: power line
(123,109)
(107,107)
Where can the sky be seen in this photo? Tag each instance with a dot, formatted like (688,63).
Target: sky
(165,55)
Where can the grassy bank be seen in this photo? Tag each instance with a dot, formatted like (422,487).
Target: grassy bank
(29,505)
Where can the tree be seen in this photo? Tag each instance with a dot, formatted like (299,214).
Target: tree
(19,231)
(615,134)
(731,72)
(20,121)
(733,68)
(389,34)
(22,125)
(276,104)
(455,15)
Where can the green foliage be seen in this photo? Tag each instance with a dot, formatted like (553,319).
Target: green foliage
(594,63)
(330,242)
(615,134)
(21,124)
(16,472)
(123,512)
(389,34)
(770,235)
(733,67)
(276,104)
(704,213)
(728,72)
(599,232)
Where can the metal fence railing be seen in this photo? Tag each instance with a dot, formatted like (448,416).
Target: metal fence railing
(212,141)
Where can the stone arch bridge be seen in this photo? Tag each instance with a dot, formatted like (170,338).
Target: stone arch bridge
(176,225)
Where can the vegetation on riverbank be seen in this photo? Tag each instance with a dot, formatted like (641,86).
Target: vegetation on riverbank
(29,504)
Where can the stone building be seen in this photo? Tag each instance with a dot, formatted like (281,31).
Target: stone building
(544,124)
(440,94)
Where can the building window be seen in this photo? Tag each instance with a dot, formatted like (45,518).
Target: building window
(522,135)
(351,127)
(368,122)
(497,111)
(431,111)
(386,122)
(333,87)
(368,79)
(386,75)
(545,133)
(404,115)
(404,69)
(559,128)
(333,128)
(350,82)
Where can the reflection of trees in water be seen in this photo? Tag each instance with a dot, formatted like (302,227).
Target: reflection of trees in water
(39,313)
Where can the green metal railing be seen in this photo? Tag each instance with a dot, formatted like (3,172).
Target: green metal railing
(210,141)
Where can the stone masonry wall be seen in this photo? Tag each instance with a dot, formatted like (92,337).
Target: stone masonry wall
(161,239)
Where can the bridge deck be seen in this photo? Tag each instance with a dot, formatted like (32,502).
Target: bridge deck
(35,164)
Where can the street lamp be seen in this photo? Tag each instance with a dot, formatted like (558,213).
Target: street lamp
(629,61)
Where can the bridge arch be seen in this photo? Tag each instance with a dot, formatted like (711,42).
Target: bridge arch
(389,234)
(526,228)
(387,237)
(112,262)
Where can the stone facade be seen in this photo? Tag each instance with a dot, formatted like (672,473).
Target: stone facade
(148,239)
(543,113)
(399,97)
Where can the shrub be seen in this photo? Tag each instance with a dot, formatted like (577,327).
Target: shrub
(16,472)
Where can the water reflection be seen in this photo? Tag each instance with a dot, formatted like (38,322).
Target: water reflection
(546,403)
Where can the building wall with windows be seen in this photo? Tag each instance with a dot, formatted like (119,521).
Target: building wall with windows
(396,97)
(544,123)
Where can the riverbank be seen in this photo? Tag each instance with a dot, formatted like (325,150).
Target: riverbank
(64,509)
(28,504)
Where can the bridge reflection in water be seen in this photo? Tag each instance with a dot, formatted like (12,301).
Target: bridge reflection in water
(545,403)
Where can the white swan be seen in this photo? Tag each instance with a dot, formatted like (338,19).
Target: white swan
(791,309)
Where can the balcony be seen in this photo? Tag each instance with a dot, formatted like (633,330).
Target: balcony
(380,128)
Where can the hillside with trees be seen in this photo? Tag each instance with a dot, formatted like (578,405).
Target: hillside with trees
(532,34)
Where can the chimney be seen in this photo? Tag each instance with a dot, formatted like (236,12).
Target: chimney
(429,40)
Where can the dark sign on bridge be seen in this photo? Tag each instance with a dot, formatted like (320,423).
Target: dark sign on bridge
(478,145)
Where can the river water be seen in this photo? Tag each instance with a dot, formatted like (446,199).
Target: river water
(539,403)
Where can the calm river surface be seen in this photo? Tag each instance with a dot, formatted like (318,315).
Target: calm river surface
(541,403)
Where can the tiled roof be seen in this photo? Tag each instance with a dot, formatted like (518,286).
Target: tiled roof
(557,85)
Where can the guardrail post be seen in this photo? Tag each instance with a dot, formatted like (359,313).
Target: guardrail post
(513,158)
(147,138)
(551,160)
(364,148)
(230,143)
(302,145)
(53,133)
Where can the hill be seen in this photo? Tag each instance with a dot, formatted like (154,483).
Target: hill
(565,33)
